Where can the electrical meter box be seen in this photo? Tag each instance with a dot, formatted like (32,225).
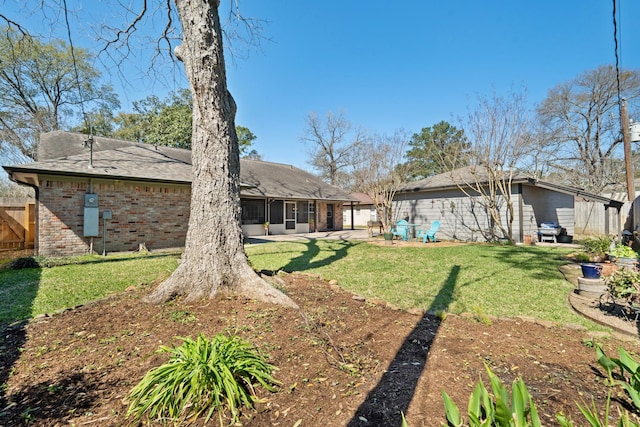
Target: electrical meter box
(90,200)
(106,214)
(91,216)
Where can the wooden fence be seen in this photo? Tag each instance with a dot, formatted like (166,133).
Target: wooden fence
(591,219)
(17,224)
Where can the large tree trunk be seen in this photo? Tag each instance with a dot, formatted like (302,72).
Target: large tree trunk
(214,257)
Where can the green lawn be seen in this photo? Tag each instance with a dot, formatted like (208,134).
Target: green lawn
(31,291)
(490,279)
(482,279)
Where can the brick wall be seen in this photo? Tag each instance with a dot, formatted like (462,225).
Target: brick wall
(154,214)
(322,216)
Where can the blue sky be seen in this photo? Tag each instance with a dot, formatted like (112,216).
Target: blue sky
(401,65)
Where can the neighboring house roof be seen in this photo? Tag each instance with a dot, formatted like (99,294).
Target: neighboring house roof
(362,198)
(467,175)
(63,153)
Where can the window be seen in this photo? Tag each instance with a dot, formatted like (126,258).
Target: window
(276,212)
(252,211)
(303,212)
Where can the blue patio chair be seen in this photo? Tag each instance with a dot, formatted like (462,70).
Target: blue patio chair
(401,229)
(429,234)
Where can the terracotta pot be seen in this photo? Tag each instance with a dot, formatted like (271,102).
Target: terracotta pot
(608,269)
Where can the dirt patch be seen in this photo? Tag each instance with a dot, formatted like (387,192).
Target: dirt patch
(342,361)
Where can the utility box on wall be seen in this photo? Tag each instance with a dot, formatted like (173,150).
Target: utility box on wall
(91,216)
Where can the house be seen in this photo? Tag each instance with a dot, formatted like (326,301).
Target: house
(100,194)
(463,217)
(360,212)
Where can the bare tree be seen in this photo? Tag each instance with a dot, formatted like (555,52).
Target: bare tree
(42,87)
(499,131)
(379,171)
(582,125)
(214,259)
(332,143)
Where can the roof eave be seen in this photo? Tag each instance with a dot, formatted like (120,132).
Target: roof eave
(15,172)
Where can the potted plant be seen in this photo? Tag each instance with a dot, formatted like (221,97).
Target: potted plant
(624,256)
(596,248)
(266,228)
(624,285)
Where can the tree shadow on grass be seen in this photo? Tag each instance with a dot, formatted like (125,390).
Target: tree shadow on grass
(18,290)
(391,397)
(535,264)
(313,256)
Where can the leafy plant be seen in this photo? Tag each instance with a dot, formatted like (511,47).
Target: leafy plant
(498,410)
(626,365)
(596,245)
(623,251)
(624,284)
(202,376)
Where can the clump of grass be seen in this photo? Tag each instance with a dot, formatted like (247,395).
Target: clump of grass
(582,257)
(481,315)
(183,317)
(202,376)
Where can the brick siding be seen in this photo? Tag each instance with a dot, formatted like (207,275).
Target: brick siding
(154,214)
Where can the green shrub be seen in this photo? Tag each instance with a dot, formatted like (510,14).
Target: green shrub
(624,284)
(24,262)
(597,245)
(626,365)
(201,377)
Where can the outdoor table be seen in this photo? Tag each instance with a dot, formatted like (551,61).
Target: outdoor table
(411,232)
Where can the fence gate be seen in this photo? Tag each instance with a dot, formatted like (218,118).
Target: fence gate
(16,226)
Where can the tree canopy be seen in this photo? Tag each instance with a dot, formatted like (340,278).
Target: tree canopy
(166,122)
(436,149)
(44,86)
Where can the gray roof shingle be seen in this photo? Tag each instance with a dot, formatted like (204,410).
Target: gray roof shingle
(472,175)
(63,153)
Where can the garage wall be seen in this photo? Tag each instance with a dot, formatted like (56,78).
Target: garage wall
(464,218)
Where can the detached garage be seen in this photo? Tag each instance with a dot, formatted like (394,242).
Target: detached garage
(463,215)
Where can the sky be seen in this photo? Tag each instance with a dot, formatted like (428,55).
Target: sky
(387,65)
